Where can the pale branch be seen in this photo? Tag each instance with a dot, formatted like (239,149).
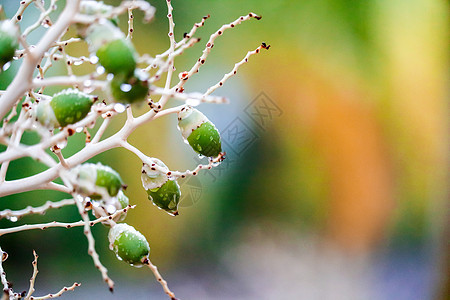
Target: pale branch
(23,5)
(186,37)
(42,18)
(22,81)
(98,135)
(160,279)
(210,45)
(15,140)
(35,150)
(52,48)
(173,174)
(61,158)
(186,96)
(235,69)
(165,66)
(55,224)
(67,42)
(7,213)
(31,289)
(171,34)
(212,163)
(55,187)
(168,111)
(130,23)
(91,245)
(58,294)
(84,81)
(6,288)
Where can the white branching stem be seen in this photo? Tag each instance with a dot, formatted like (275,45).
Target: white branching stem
(22,80)
(31,290)
(6,288)
(210,45)
(58,294)
(7,213)
(40,57)
(235,69)
(160,279)
(101,130)
(54,224)
(187,96)
(91,246)
(130,23)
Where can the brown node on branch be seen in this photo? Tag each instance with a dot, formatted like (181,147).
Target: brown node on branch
(265,46)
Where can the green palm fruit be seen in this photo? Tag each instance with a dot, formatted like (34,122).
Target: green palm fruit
(199,132)
(129,90)
(166,197)
(66,107)
(123,200)
(162,191)
(115,53)
(8,41)
(97,181)
(128,244)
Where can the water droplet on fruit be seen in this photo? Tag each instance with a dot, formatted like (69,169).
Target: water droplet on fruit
(93,59)
(13,219)
(100,70)
(78,62)
(110,76)
(125,87)
(6,66)
(87,83)
(79,129)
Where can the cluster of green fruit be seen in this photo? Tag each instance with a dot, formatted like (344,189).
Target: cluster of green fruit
(102,184)
(202,136)
(116,54)
(104,187)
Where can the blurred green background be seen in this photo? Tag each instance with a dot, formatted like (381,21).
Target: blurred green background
(335,184)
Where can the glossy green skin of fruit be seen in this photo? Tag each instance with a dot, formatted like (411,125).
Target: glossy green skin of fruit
(109,179)
(137,93)
(71,107)
(166,197)
(8,45)
(118,57)
(205,140)
(123,199)
(131,247)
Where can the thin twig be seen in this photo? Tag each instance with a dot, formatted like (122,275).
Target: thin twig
(91,246)
(6,288)
(31,290)
(235,69)
(54,224)
(58,294)
(160,279)
(7,213)
(210,45)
